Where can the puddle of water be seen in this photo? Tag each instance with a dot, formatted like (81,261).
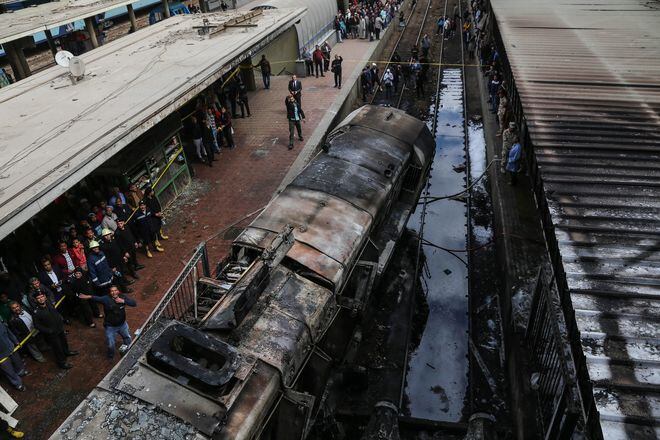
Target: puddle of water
(477,147)
(436,382)
(487,386)
(481,224)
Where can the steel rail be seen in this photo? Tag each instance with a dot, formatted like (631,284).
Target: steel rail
(419,35)
(397,44)
(468,191)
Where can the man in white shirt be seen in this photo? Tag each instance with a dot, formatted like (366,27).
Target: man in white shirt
(21,324)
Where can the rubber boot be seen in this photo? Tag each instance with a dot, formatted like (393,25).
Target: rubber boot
(15,433)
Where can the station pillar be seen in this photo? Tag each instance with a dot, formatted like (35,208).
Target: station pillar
(166,8)
(131,17)
(17,61)
(247,74)
(51,41)
(89,25)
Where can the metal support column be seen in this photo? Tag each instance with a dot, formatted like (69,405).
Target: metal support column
(247,74)
(51,41)
(131,17)
(16,60)
(166,9)
(89,25)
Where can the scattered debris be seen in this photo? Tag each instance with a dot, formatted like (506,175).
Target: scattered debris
(460,168)
(534,381)
(520,305)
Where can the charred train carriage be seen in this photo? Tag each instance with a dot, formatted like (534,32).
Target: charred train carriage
(257,364)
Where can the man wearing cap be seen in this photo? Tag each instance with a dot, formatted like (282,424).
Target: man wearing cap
(114,307)
(509,137)
(145,229)
(13,367)
(82,285)
(116,258)
(109,219)
(50,324)
(100,271)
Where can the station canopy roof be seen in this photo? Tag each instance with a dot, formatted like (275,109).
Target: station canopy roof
(56,133)
(29,21)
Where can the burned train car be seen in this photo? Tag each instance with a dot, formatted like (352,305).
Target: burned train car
(257,364)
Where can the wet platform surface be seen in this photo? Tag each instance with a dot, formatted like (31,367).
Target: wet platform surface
(239,183)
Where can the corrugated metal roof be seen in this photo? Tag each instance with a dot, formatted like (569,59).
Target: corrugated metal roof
(588,74)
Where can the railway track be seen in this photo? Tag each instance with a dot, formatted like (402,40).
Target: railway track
(425,194)
(426,106)
(429,359)
(409,37)
(443,67)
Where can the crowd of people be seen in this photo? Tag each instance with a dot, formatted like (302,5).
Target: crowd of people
(365,19)
(498,96)
(86,276)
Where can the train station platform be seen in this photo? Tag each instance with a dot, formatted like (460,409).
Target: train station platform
(216,204)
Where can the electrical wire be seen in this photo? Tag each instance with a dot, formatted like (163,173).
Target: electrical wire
(430,199)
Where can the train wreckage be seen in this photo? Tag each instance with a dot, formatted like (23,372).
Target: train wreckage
(292,292)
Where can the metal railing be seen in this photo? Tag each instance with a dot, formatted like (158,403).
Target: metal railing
(546,338)
(181,298)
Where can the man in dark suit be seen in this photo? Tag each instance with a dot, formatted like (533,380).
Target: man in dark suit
(52,277)
(294,114)
(51,326)
(295,88)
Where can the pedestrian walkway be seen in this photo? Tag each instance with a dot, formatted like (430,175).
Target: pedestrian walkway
(241,182)
(521,247)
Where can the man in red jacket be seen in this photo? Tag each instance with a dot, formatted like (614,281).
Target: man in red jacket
(317,56)
(64,260)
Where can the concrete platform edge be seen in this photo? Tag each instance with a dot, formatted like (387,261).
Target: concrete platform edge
(341,107)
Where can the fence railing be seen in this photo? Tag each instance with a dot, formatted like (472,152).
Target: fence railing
(550,352)
(181,298)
